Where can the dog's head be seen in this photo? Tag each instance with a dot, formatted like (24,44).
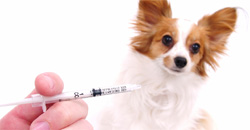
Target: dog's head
(179,45)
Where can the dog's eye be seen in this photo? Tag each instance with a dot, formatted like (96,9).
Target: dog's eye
(195,48)
(167,40)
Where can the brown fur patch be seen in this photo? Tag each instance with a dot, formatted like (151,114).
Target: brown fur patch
(168,62)
(150,13)
(165,27)
(196,35)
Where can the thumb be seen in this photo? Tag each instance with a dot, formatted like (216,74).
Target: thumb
(47,84)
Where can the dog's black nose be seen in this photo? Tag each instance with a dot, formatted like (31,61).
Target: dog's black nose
(180,62)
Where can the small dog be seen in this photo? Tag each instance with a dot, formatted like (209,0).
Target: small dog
(168,58)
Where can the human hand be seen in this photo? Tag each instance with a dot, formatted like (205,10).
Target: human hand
(67,115)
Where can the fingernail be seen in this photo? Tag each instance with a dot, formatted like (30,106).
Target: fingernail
(49,81)
(41,126)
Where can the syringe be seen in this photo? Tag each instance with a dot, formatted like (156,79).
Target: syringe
(38,100)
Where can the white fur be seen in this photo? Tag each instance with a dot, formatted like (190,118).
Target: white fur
(165,101)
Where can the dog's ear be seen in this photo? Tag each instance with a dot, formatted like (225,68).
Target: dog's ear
(151,11)
(217,28)
(149,14)
(219,25)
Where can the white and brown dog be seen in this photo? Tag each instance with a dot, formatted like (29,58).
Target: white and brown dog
(168,58)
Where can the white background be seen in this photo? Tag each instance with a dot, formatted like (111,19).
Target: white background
(84,42)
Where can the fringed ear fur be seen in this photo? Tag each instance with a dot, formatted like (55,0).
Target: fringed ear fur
(217,28)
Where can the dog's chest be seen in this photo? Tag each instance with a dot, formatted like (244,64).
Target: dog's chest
(164,102)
